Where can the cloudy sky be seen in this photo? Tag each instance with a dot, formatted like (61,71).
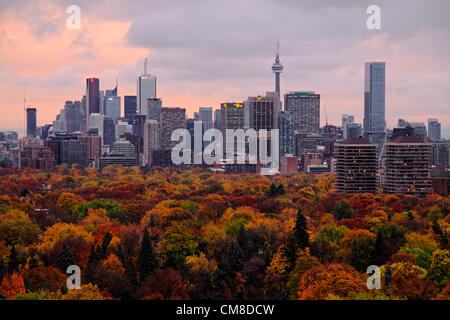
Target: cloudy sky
(206,52)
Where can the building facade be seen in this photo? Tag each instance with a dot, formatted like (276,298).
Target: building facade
(146,89)
(356,165)
(92,98)
(130,106)
(374,102)
(305,109)
(407,166)
(31,122)
(434,129)
(170,119)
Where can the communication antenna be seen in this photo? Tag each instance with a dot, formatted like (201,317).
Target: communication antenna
(326,118)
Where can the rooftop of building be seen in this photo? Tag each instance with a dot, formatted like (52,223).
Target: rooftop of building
(358,140)
(407,139)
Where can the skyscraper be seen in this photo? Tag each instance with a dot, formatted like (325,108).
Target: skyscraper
(130,106)
(206,116)
(146,88)
(232,116)
(92,97)
(263,111)
(217,118)
(170,119)
(434,129)
(407,166)
(305,109)
(356,166)
(31,122)
(109,135)
(286,126)
(111,104)
(277,68)
(151,141)
(347,119)
(94,147)
(153,107)
(374,102)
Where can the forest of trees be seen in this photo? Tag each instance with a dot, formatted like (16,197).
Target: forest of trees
(195,234)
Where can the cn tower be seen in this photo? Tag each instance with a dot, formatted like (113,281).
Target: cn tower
(277,68)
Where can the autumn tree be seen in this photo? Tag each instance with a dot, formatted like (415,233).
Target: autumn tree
(12,285)
(163,284)
(16,228)
(440,267)
(336,280)
(303,263)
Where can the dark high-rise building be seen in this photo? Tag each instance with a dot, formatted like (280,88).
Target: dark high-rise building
(92,97)
(401,123)
(111,104)
(31,122)
(67,149)
(153,106)
(441,154)
(352,130)
(73,152)
(71,117)
(356,165)
(217,119)
(206,117)
(137,128)
(434,129)
(305,109)
(407,166)
(374,102)
(109,133)
(130,106)
(263,112)
(43,131)
(286,127)
(94,147)
(232,116)
(170,119)
(419,130)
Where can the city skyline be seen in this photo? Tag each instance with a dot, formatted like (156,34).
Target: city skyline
(189,78)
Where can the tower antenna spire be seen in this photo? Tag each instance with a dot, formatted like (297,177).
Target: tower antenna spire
(278,50)
(145,66)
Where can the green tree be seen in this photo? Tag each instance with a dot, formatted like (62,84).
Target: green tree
(298,241)
(440,267)
(343,210)
(147,262)
(93,256)
(235,257)
(65,258)
(105,243)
